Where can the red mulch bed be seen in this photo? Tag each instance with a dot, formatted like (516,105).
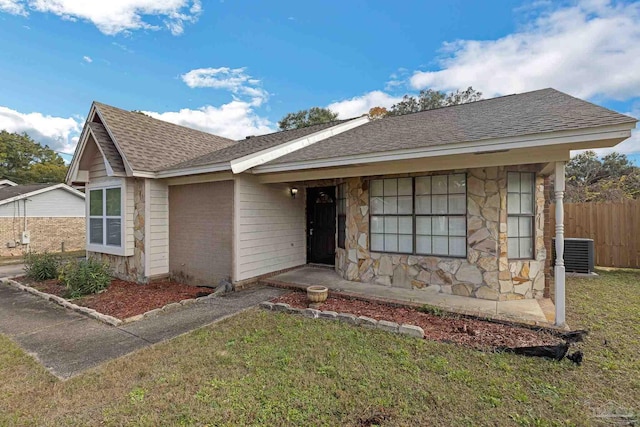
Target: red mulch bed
(125,299)
(447,328)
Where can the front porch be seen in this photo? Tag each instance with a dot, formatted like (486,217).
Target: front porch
(529,311)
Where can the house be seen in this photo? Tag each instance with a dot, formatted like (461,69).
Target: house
(453,199)
(40,217)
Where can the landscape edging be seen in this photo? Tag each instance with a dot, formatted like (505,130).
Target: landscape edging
(348,318)
(104,318)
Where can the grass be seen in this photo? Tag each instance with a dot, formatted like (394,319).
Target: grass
(265,368)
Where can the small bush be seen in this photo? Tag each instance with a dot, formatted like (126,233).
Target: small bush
(84,277)
(41,266)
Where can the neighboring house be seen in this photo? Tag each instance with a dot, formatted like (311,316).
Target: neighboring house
(40,217)
(452,199)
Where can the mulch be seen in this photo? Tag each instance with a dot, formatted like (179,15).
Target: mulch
(448,327)
(124,299)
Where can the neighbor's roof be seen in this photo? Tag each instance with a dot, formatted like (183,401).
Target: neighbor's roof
(106,145)
(150,144)
(546,110)
(18,190)
(254,144)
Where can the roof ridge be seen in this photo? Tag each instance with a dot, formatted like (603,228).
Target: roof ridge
(474,102)
(142,115)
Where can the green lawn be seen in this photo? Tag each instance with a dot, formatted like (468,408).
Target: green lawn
(265,368)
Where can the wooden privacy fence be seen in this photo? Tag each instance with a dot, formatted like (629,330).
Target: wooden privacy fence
(613,226)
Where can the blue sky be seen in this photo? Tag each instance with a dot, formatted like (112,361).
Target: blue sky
(235,67)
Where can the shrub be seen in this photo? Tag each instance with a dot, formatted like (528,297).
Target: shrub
(41,266)
(84,277)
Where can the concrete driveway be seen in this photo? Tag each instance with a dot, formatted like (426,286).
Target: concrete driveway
(67,343)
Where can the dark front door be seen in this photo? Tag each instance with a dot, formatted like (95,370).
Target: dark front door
(321,225)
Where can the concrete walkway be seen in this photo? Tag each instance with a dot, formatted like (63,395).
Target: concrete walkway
(67,343)
(528,311)
(11,270)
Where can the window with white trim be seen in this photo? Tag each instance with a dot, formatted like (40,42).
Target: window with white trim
(422,215)
(105,216)
(342,215)
(520,214)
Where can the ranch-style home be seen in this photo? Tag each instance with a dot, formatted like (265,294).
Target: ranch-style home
(453,199)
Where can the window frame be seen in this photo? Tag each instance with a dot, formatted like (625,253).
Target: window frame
(104,247)
(340,199)
(413,215)
(531,215)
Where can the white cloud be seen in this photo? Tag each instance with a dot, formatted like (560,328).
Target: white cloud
(14,7)
(235,80)
(59,133)
(359,105)
(87,59)
(589,49)
(115,16)
(234,120)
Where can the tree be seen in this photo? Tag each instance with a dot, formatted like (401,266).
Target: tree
(377,113)
(304,118)
(430,99)
(24,161)
(591,179)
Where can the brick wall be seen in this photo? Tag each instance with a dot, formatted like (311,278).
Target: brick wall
(47,234)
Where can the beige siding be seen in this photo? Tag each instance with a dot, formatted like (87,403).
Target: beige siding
(269,229)
(157,222)
(200,232)
(98,169)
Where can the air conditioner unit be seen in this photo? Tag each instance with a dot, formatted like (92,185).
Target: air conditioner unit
(579,255)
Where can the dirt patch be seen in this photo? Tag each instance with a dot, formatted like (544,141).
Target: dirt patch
(446,328)
(124,299)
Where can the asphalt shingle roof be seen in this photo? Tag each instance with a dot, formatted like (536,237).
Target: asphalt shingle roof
(150,144)
(252,145)
(546,110)
(18,190)
(106,145)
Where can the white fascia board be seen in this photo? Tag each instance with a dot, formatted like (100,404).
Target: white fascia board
(43,190)
(77,155)
(7,182)
(261,157)
(216,167)
(622,132)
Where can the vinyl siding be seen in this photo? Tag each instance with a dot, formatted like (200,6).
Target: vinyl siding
(269,228)
(97,169)
(51,204)
(157,218)
(200,232)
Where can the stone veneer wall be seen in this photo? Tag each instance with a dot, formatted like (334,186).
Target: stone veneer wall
(130,267)
(47,234)
(485,273)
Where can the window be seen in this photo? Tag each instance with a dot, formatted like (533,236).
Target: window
(392,215)
(441,215)
(520,212)
(105,216)
(342,214)
(423,215)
